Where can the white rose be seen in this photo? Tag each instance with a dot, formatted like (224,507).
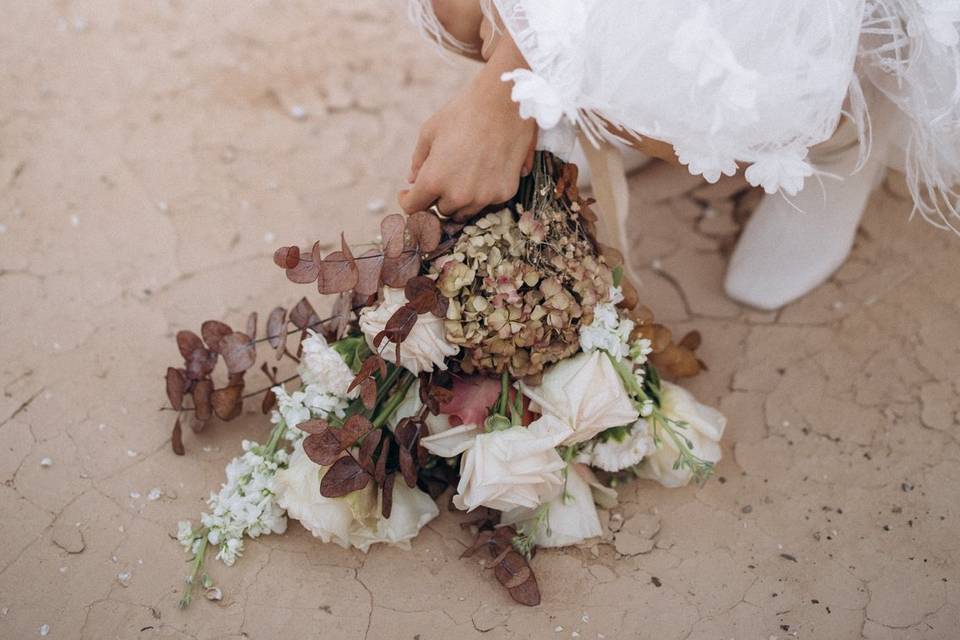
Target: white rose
(411,510)
(424,348)
(705,427)
(585,393)
(323,368)
(615,455)
(355,519)
(298,491)
(515,467)
(571,517)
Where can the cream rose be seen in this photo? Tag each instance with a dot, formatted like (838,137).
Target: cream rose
(422,350)
(323,368)
(515,467)
(571,517)
(705,427)
(355,519)
(585,393)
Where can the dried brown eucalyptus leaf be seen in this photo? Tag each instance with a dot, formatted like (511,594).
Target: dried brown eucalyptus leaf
(304,272)
(277,327)
(508,572)
(658,335)
(176,385)
(343,477)
(239,352)
(422,294)
(368,393)
(386,495)
(631,298)
(252,325)
(200,364)
(313,426)
(691,341)
(391,232)
(188,342)
(303,316)
(372,364)
(408,467)
(396,271)
(338,273)
(527,593)
(676,362)
(324,448)
(369,266)
(380,473)
(201,400)
(342,314)
(269,402)
(355,427)
(227,402)
(176,438)
(400,324)
(368,447)
(286,257)
(213,331)
(425,230)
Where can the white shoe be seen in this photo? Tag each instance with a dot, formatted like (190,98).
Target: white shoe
(784,253)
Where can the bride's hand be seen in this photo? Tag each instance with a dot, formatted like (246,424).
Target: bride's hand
(472,152)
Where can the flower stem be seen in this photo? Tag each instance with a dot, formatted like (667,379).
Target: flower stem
(197,568)
(390,406)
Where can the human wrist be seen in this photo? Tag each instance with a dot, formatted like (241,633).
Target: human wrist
(488,81)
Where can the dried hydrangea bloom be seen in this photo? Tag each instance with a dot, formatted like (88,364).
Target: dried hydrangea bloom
(520,286)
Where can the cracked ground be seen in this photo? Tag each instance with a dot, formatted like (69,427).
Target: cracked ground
(152,156)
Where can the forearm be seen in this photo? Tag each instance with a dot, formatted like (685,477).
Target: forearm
(461,19)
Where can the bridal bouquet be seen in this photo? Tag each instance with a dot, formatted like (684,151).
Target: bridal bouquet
(504,364)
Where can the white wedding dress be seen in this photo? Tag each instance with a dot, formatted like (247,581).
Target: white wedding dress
(748,83)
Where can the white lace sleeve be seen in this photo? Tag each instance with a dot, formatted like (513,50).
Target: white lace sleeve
(423,16)
(722,81)
(728,81)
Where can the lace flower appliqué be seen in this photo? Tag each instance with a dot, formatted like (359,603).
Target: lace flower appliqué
(779,172)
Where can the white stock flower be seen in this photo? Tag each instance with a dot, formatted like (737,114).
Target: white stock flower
(423,349)
(185,533)
(608,332)
(323,369)
(245,505)
(585,393)
(515,467)
(300,406)
(704,429)
(616,455)
(571,516)
(355,519)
